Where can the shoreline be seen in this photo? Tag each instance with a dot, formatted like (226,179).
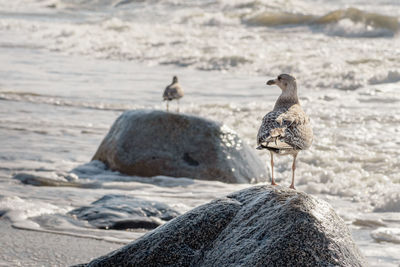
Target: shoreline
(32,248)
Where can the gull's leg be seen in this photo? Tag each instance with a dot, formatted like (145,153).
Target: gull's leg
(167,105)
(178,105)
(272,170)
(293,169)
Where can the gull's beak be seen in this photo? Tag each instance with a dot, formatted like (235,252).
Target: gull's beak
(271,82)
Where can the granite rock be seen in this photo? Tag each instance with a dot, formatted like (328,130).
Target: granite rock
(150,143)
(121,212)
(258,226)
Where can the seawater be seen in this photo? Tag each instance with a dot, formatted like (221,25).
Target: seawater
(69,68)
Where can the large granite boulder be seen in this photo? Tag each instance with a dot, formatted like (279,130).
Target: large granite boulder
(150,143)
(258,226)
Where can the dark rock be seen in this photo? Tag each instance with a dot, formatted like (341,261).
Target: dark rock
(122,212)
(150,143)
(258,226)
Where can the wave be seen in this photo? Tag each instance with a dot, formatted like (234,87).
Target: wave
(391,77)
(358,16)
(384,234)
(270,19)
(355,22)
(59,101)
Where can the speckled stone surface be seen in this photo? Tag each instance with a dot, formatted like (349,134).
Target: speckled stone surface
(258,226)
(149,143)
(123,212)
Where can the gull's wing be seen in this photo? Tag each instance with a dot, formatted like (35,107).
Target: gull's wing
(173,91)
(285,129)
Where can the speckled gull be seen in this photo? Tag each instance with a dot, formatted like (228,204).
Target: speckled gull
(173,91)
(285,130)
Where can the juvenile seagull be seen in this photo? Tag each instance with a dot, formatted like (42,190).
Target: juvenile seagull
(286,129)
(173,91)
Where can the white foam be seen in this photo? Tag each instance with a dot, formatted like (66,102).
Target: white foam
(349,28)
(17,209)
(391,235)
(195,39)
(390,202)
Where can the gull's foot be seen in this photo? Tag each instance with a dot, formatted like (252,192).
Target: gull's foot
(292,187)
(273,183)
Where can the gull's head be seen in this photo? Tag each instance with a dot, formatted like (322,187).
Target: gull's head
(284,81)
(175,79)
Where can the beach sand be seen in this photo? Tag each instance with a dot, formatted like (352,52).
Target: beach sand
(32,248)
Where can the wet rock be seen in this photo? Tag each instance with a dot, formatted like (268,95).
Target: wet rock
(66,180)
(122,212)
(258,226)
(150,143)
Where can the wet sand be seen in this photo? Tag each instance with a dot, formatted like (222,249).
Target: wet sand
(31,248)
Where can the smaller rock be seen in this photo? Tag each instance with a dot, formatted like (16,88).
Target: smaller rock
(121,212)
(43,179)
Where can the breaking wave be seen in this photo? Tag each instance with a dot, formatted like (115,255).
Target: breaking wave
(350,22)
(391,77)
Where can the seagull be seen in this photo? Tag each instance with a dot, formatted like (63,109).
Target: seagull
(285,130)
(173,91)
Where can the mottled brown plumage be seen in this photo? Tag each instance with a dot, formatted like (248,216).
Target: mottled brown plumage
(173,91)
(285,130)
